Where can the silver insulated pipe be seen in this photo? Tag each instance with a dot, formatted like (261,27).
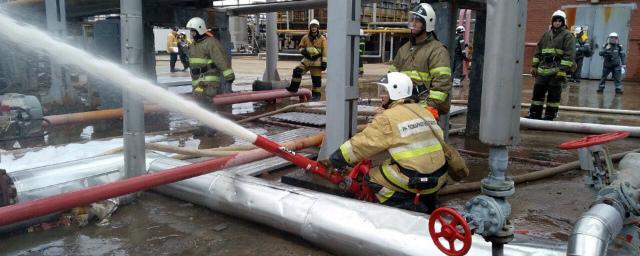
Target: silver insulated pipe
(341,225)
(593,231)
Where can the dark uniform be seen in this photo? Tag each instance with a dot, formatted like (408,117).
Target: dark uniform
(458,60)
(583,49)
(552,61)
(614,59)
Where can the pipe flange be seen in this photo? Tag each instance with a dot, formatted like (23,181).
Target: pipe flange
(486,215)
(498,188)
(7,189)
(504,236)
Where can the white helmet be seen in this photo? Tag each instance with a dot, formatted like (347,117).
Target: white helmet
(398,85)
(577,29)
(460,29)
(427,14)
(314,22)
(613,34)
(197,24)
(561,14)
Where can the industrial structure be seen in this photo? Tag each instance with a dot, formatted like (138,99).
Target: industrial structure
(97,64)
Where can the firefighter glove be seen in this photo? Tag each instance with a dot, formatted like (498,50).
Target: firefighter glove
(323,66)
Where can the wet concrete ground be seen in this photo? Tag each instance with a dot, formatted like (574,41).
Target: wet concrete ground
(158,225)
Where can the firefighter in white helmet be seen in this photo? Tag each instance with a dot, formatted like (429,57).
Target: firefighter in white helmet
(210,66)
(417,169)
(614,59)
(553,60)
(460,56)
(313,47)
(425,60)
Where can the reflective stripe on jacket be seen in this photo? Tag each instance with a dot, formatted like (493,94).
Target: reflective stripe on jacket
(318,46)
(407,138)
(209,63)
(555,54)
(427,63)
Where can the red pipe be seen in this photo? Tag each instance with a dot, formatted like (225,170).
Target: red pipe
(238,97)
(39,207)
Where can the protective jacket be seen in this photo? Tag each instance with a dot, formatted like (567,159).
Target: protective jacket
(555,54)
(209,64)
(426,61)
(613,55)
(402,132)
(461,46)
(172,42)
(583,49)
(314,47)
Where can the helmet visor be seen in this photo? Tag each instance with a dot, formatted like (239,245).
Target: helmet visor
(382,86)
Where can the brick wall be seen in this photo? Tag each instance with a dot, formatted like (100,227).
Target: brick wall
(539,19)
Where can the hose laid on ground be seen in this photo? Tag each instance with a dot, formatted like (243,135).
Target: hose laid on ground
(475,186)
(574,108)
(513,158)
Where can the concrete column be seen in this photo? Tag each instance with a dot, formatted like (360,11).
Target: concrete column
(57,25)
(271,72)
(132,42)
(342,73)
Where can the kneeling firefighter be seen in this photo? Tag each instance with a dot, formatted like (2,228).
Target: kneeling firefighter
(417,169)
(209,67)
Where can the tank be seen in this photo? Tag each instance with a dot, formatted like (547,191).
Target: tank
(238,31)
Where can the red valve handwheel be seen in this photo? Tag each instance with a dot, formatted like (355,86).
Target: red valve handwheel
(449,231)
(593,140)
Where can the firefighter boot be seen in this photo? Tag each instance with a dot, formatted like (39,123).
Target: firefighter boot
(316,91)
(296,79)
(535,112)
(550,113)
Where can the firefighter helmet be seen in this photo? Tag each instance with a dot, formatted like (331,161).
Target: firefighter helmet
(398,85)
(427,15)
(197,24)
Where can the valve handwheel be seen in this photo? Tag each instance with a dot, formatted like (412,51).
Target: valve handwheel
(449,230)
(594,140)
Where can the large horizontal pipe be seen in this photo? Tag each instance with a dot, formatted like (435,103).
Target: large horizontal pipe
(276,7)
(574,108)
(43,206)
(341,225)
(238,97)
(577,127)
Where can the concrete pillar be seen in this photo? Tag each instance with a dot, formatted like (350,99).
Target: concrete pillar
(271,72)
(342,73)
(132,43)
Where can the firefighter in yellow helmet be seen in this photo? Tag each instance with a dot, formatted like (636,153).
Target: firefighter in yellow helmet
(552,61)
(425,60)
(406,131)
(209,65)
(313,47)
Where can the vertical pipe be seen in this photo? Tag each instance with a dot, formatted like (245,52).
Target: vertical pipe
(375,13)
(132,42)
(475,76)
(391,49)
(343,28)
(271,73)
(56,24)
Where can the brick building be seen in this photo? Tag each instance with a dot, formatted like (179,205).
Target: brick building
(539,19)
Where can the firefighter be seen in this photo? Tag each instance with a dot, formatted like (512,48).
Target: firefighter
(583,49)
(363,38)
(425,60)
(209,65)
(460,57)
(614,62)
(553,60)
(313,47)
(417,169)
(172,49)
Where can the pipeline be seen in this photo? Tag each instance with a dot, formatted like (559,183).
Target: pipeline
(574,108)
(344,226)
(85,117)
(532,176)
(230,98)
(43,206)
(577,127)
